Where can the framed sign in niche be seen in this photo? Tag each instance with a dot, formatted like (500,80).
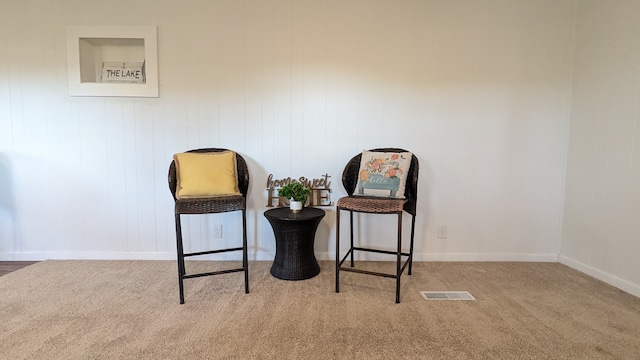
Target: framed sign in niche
(112,60)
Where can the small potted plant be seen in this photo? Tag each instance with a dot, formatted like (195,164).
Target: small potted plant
(296,193)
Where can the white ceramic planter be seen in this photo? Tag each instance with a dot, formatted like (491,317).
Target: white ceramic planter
(295,206)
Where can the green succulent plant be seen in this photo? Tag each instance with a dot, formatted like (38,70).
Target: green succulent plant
(295,191)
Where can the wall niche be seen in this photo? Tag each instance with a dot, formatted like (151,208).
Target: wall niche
(112,60)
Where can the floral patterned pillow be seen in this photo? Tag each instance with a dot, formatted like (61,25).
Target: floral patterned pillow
(383,174)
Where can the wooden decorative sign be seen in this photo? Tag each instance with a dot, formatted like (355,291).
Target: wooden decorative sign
(320,190)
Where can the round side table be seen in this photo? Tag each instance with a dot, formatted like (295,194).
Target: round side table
(295,234)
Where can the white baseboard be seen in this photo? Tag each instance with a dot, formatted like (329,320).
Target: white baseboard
(454,257)
(622,284)
(107,255)
(84,255)
(488,257)
(114,255)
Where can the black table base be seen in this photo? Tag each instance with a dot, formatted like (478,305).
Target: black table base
(295,233)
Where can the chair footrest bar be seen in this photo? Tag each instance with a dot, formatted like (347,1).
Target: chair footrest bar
(390,252)
(393,276)
(367,272)
(345,257)
(190,276)
(211,252)
(376,251)
(404,266)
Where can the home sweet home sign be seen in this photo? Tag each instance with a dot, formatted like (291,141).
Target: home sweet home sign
(320,190)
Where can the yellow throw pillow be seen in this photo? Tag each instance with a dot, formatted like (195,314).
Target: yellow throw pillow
(202,175)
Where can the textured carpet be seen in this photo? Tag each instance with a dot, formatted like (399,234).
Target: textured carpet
(130,310)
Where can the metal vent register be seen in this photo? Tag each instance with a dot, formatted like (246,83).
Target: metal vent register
(447,295)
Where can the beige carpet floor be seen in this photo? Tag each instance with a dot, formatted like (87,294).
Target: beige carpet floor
(130,310)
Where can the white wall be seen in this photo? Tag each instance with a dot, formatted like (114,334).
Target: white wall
(602,213)
(479,91)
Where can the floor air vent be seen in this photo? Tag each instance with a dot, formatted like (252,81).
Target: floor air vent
(447,295)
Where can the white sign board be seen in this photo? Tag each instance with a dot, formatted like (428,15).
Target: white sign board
(123,72)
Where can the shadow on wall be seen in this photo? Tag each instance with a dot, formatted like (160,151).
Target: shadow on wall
(7,207)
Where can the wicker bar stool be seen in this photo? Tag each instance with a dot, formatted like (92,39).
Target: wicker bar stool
(210,205)
(377,205)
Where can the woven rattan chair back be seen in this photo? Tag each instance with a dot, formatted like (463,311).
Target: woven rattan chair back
(209,206)
(350,178)
(373,205)
(243,172)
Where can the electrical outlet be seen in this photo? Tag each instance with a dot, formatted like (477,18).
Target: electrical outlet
(442,231)
(217,231)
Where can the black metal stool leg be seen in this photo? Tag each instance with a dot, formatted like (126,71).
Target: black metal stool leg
(181,266)
(413,230)
(337,250)
(245,257)
(351,228)
(399,257)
